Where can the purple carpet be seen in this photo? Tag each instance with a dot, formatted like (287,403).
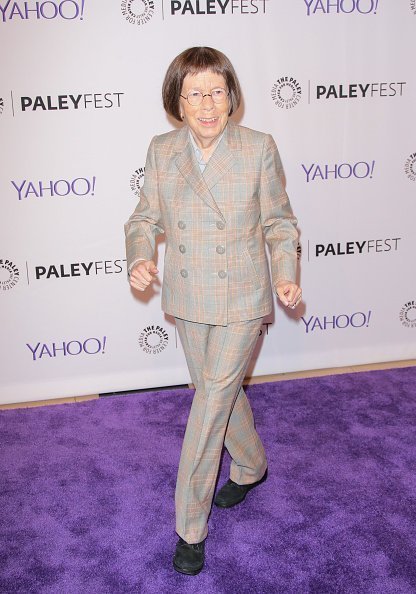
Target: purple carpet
(87,494)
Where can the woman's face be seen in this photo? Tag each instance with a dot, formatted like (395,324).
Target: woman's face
(207,120)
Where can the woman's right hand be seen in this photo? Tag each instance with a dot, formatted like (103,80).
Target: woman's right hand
(142,274)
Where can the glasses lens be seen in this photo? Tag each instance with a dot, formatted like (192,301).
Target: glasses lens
(194,97)
(218,95)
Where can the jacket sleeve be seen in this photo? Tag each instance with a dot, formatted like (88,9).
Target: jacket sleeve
(278,221)
(145,222)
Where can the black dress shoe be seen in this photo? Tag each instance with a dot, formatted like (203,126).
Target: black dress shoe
(231,493)
(189,558)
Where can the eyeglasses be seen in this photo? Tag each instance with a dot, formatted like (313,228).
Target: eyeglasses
(195,98)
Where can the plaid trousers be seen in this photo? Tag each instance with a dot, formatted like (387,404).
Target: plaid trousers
(217,358)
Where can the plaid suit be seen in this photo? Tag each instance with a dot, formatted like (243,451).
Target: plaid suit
(216,284)
(215,269)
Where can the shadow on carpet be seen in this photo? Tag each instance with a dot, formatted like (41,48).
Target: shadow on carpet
(87,494)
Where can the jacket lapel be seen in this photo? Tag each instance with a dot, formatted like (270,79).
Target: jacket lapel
(218,165)
(223,158)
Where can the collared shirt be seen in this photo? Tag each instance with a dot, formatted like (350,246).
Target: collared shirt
(198,153)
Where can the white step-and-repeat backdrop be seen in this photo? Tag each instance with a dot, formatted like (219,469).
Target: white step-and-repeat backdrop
(334,81)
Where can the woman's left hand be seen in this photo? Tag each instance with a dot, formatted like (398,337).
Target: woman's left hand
(289,293)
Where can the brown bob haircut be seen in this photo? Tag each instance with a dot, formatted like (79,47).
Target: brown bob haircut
(193,61)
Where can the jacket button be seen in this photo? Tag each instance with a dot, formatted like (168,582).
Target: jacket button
(184,273)
(220,249)
(222,274)
(182,225)
(220,225)
(182,249)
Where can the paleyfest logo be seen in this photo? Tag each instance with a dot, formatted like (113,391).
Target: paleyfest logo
(49,10)
(71,102)
(408,314)
(365,90)
(410,166)
(341,6)
(286,92)
(219,7)
(355,248)
(137,12)
(153,340)
(136,181)
(9,275)
(80,186)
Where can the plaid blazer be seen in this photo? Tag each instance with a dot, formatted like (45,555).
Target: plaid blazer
(215,269)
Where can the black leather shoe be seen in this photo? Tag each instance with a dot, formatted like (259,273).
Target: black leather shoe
(189,558)
(231,493)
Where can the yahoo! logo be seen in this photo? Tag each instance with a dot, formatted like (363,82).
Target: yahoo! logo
(90,346)
(341,6)
(220,7)
(358,319)
(80,186)
(65,9)
(359,170)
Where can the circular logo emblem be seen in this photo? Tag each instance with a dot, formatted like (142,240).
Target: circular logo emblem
(136,181)
(410,166)
(137,12)
(408,314)
(286,92)
(153,340)
(1,105)
(9,275)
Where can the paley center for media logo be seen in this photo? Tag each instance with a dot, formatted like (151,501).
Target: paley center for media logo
(79,186)
(353,248)
(137,12)
(153,339)
(286,92)
(47,10)
(408,314)
(67,102)
(410,166)
(136,181)
(9,275)
(314,7)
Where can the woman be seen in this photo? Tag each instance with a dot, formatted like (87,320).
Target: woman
(216,190)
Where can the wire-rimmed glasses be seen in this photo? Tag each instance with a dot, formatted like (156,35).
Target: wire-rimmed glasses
(194,97)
